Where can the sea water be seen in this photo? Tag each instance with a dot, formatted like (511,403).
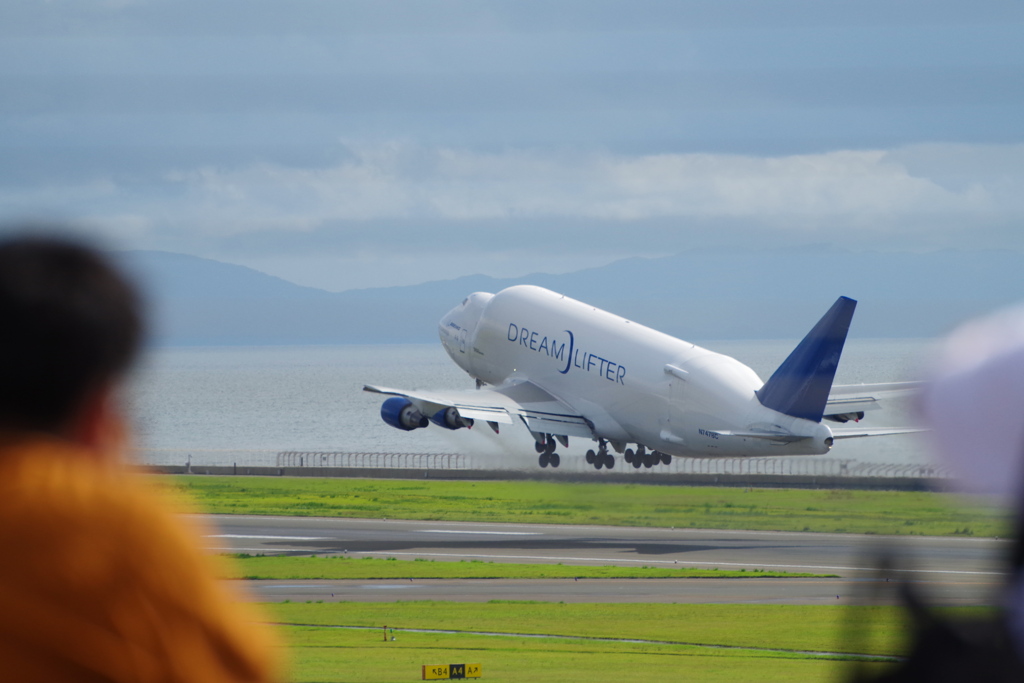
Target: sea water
(218,405)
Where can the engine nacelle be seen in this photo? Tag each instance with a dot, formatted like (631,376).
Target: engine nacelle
(449,418)
(400,413)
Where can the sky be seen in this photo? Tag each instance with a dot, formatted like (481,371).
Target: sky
(371,143)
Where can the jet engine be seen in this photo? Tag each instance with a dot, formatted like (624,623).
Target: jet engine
(449,418)
(400,413)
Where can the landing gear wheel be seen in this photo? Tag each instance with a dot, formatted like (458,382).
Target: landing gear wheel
(590,457)
(666,459)
(539,447)
(555,460)
(543,459)
(637,462)
(649,460)
(628,455)
(609,461)
(598,463)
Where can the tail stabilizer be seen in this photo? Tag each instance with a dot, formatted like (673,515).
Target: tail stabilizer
(801,385)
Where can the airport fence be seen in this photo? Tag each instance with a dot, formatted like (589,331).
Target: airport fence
(803,467)
(208,457)
(186,459)
(406,461)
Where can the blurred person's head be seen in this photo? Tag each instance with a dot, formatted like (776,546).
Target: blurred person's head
(974,405)
(70,327)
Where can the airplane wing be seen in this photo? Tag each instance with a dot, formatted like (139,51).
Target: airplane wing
(854,433)
(541,412)
(846,399)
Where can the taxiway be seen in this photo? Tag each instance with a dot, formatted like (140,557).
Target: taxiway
(950,570)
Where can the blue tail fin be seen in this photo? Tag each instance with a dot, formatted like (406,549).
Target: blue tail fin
(801,385)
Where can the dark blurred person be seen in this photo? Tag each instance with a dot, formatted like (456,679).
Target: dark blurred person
(99,580)
(973,405)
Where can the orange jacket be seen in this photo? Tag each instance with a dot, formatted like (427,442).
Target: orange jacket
(100,582)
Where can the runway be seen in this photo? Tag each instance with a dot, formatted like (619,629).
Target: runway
(951,570)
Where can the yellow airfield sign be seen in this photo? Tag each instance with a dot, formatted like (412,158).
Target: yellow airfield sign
(434,672)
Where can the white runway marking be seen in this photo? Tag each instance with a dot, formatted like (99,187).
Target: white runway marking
(271,538)
(490,533)
(260,551)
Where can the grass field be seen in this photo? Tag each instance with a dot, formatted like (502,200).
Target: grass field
(588,642)
(342,567)
(838,511)
(548,642)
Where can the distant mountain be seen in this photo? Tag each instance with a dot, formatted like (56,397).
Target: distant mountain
(180,276)
(696,295)
(196,301)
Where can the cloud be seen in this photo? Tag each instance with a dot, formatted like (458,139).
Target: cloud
(405,212)
(399,181)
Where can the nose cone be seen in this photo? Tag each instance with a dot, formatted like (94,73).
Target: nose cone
(442,324)
(449,330)
(823,437)
(457,327)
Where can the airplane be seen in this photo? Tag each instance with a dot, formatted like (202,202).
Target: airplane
(566,369)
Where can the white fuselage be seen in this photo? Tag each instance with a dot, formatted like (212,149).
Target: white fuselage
(633,383)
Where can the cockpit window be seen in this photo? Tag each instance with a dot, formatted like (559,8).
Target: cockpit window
(465,300)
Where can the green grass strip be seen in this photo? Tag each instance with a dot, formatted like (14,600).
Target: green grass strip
(769,627)
(343,567)
(837,511)
(689,642)
(321,655)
